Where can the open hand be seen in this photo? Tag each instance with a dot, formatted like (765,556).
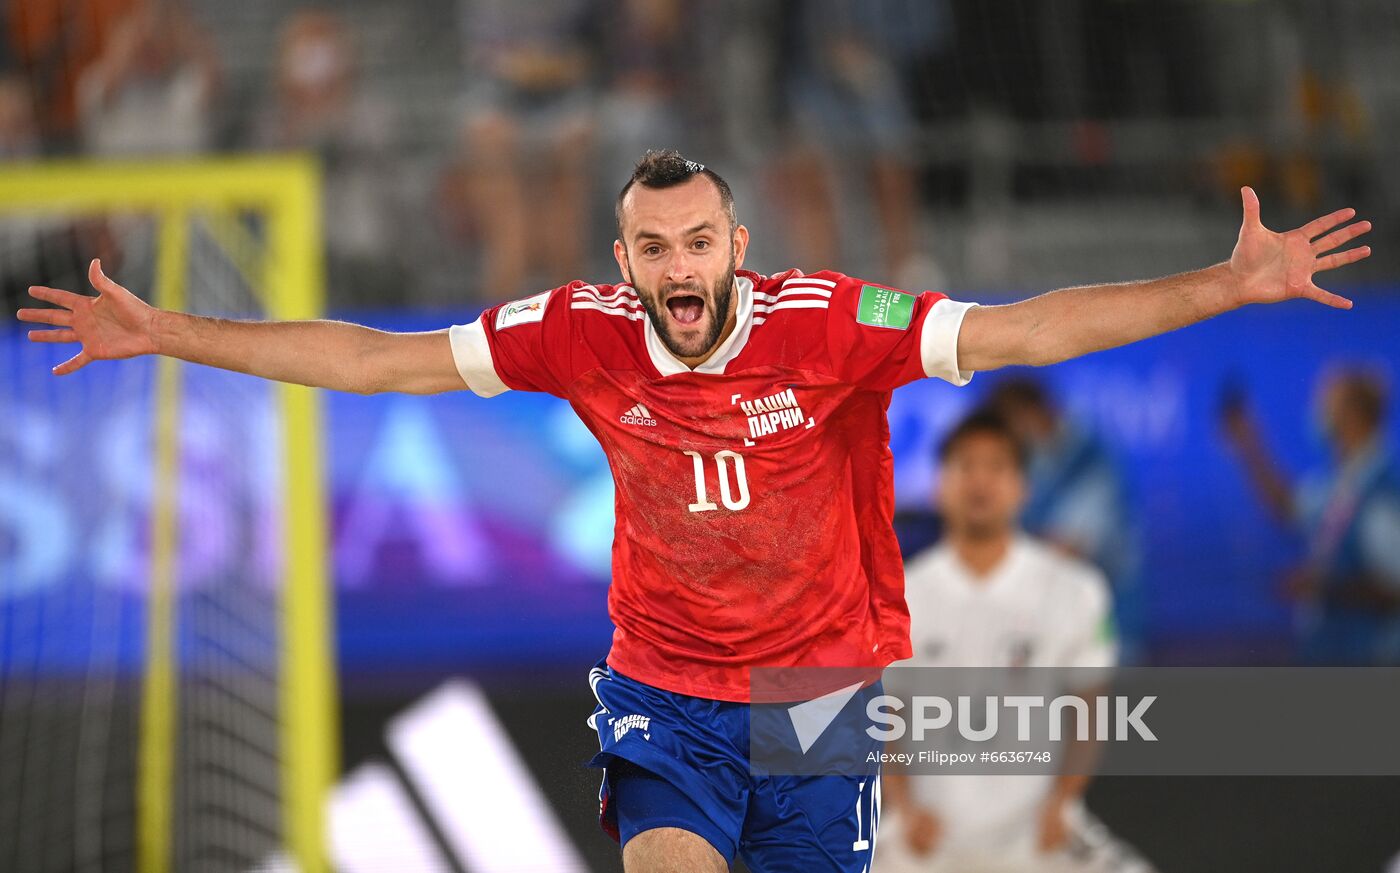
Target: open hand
(114,324)
(1270,267)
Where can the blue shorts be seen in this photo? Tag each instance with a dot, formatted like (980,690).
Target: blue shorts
(676,761)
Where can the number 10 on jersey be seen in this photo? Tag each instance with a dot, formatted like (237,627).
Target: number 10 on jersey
(728,466)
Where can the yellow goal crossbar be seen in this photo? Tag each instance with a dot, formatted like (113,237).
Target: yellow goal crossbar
(290,278)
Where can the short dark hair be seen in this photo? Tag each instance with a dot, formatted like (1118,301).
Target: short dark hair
(666,168)
(1365,394)
(1019,392)
(982,421)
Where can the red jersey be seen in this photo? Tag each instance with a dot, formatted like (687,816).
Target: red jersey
(755,492)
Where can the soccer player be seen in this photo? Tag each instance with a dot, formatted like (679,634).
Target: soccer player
(744,419)
(1347,592)
(1076,497)
(991,596)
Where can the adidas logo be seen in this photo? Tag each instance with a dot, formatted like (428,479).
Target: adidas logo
(638,414)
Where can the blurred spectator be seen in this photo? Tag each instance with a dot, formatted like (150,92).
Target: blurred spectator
(1028,607)
(34,247)
(318,104)
(150,91)
(8,60)
(19,236)
(527,136)
(655,93)
(1348,589)
(1078,499)
(848,108)
(53,42)
(1302,126)
(19,128)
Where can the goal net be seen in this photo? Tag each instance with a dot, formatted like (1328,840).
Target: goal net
(166,682)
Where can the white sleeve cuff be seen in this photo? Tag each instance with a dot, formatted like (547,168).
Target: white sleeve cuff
(472,354)
(938,344)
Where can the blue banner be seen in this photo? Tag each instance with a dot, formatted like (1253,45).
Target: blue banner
(475,534)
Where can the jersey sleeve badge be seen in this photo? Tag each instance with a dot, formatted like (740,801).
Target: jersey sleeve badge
(522,311)
(885,307)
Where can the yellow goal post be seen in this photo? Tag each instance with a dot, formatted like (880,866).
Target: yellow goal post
(287,273)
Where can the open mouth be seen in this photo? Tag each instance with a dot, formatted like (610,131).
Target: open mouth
(686,309)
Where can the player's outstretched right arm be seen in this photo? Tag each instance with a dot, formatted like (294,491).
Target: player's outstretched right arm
(323,354)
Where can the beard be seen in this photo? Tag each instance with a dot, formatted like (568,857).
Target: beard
(717,304)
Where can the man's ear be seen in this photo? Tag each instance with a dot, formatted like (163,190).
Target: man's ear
(623,265)
(741,245)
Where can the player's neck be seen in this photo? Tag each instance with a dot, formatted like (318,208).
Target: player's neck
(982,553)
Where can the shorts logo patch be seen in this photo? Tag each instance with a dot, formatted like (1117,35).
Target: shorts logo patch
(884,307)
(522,311)
(640,722)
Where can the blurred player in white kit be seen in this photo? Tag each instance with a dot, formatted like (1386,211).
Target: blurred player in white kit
(988,595)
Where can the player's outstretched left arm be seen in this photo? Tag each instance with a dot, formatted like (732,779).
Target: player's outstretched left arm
(1265,267)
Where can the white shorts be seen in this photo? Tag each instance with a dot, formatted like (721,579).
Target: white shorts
(1091,849)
